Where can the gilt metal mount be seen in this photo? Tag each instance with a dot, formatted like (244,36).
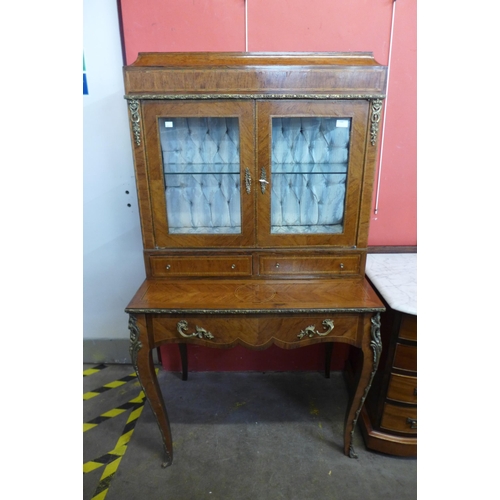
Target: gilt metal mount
(375,119)
(376,345)
(135,118)
(310,331)
(199,332)
(248,180)
(135,343)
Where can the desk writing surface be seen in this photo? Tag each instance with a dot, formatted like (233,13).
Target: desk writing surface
(259,296)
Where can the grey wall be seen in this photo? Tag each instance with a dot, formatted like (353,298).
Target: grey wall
(112,254)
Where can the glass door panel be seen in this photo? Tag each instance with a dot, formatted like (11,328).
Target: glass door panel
(201,165)
(205,152)
(309,165)
(310,171)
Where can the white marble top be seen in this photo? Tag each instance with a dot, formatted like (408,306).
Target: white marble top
(394,275)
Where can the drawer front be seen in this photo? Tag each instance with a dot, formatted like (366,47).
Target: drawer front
(408,328)
(402,388)
(399,419)
(201,265)
(405,358)
(275,265)
(256,331)
(206,330)
(304,330)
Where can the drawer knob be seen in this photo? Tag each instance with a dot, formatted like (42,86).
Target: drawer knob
(277,265)
(412,422)
(233,266)
(167,267)
(341,265)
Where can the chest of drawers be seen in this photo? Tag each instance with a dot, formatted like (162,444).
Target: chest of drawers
(389,418)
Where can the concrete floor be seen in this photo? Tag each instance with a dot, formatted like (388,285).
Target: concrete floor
(236,436)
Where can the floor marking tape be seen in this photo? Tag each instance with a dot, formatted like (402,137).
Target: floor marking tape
(109,386)
(95,369)
(113,458)
(133,403)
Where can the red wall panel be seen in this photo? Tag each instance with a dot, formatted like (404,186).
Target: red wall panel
(297,25)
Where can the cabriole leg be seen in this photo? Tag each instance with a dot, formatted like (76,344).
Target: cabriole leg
(142,360)
(372,347)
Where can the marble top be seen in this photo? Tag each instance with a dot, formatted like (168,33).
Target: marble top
(394,275)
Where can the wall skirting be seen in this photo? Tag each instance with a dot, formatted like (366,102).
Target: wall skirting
(392,249)
(114,351)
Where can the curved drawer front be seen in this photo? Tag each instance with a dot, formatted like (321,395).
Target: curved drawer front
(206,330)
(408,328)
(399,419)
(201,265)
(257,331)
(402,388)
(303,330)
(276,265)
(405,358)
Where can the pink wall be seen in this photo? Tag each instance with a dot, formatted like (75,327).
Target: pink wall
(312,25)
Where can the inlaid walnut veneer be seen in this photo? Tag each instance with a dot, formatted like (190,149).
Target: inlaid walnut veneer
(254,178)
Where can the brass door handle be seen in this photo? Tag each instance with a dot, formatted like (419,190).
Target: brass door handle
(263,180)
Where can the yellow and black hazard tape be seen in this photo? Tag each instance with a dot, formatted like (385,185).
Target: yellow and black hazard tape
(112,459)
(133,403)
(110,385)
(94,369)
(121,445)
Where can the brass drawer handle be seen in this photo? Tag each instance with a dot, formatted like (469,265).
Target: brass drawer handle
(412,422)
(310,331)
(199,332)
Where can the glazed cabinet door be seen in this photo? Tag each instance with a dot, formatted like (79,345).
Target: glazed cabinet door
(310,171)
(200,162)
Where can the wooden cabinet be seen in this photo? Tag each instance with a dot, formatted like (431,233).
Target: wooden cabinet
(388,419)
(262,152)
(254,178)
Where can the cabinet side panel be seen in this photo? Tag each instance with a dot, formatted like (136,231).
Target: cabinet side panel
(369,175)
(142,182)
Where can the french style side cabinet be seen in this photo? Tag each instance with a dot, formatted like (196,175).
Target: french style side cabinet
(254,177)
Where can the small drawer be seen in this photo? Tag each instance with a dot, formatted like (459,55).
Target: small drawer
(399,419)
(273,265)
(405,358)
(408,328)
(402,388)
(201,265)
